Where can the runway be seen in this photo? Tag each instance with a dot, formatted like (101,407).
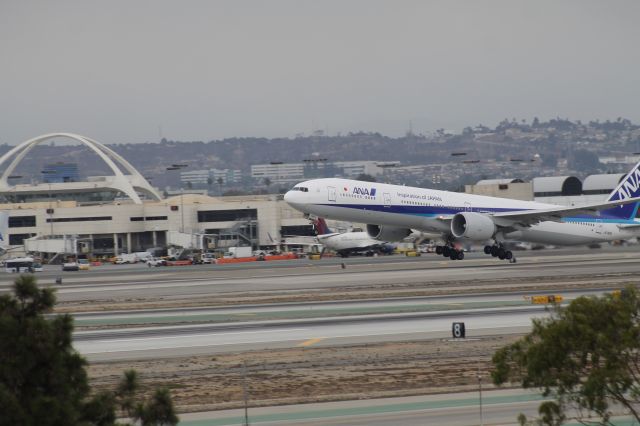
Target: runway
(248,328)
(126,282)
(191,325)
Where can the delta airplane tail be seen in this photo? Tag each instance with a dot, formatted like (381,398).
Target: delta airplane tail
(321,227)
(629,187)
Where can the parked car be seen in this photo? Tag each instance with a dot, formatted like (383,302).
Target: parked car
(70,266)
(156,261)
(208,258)
(37,267)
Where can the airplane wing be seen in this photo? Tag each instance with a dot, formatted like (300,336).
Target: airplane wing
(531,217)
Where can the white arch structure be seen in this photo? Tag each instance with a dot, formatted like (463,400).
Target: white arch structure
(126,183)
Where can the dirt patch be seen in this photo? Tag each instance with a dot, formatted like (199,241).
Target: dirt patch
(299,375)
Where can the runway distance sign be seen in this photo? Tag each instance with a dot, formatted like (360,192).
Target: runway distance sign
(457,330)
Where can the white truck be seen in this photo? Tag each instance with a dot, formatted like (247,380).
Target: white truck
(126,258)
(237,252)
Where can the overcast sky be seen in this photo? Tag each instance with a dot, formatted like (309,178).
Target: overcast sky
(126,70)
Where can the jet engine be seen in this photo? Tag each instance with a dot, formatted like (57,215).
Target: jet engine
(388,233)
(473,226)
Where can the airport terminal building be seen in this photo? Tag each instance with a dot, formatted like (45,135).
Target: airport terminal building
(44,217)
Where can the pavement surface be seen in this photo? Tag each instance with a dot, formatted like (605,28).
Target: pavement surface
(132,312)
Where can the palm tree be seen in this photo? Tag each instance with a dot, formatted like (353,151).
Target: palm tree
(209,182)
(220,181)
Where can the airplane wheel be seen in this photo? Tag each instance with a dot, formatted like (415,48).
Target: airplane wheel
(487,249)
(453,255)
(446,251)
(501,253)
(494,251)
(508,255)
(439,250)
(460,255)
(501,256)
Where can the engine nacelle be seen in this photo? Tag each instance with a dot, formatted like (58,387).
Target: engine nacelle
(472,226)
(388,233)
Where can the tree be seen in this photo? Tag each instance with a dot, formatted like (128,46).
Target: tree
(585,356)
(584,160)
(43,380)
(267,183)
(157,411)
(30,394)
(209,183)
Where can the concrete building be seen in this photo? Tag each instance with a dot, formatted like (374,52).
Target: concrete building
(60,172)
(110,229)
(141,219)
(502,188)
(559,190)
(292,173)
(201,178)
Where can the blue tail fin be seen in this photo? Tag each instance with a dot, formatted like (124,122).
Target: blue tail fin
(321,226)
(629,187)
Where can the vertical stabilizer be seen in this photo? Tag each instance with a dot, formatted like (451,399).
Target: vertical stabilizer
(629,187)
(321,226)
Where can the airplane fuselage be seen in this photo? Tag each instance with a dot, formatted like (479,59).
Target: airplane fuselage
(427,210)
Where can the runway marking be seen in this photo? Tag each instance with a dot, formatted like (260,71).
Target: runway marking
(183,336)
(311,341)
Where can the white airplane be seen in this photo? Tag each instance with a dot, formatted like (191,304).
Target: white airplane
(345,243)
(391,211)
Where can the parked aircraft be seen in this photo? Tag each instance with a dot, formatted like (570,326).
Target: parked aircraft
(346,243)
(391,211)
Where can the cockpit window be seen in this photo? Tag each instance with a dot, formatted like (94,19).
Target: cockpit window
(300,188)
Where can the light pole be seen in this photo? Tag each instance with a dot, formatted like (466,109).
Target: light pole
(50,209)
(180,167)
(480,392)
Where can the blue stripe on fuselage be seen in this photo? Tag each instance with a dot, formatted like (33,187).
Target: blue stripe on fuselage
(433,211)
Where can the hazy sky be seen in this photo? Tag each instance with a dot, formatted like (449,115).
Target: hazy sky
(119,70)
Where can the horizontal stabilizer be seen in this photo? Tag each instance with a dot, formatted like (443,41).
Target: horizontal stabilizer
(530,217)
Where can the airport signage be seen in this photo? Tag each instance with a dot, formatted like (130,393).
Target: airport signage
(457,330)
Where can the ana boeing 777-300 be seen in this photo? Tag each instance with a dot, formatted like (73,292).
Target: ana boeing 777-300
(391,211)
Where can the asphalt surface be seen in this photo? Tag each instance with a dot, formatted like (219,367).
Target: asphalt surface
(110,282)
(171,332)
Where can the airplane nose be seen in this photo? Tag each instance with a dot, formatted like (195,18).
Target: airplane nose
(288,196)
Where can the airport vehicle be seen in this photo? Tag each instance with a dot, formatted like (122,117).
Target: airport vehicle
(126,258)
(156,261)
(84,264)
(347,243)
(208,258)
(70,266)
(237,252)
(391,211)
(143,256)
(19,264)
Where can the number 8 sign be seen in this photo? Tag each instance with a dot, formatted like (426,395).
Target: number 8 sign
(457,330)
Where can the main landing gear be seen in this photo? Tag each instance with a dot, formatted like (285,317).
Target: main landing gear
(498,250)
(450,252)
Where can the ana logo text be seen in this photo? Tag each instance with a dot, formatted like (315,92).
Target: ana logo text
(365,191)
(629,187)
